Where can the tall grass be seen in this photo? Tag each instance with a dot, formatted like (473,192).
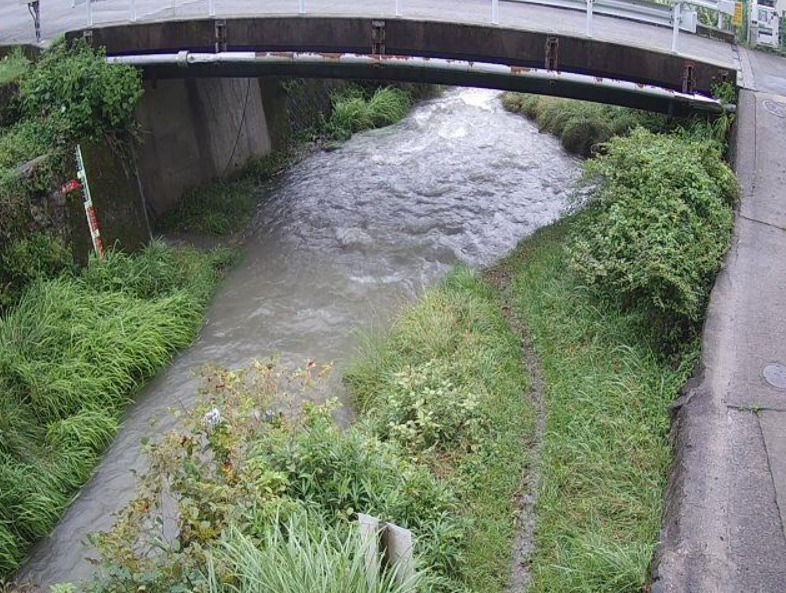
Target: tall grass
(580,125)
(448,384)
(227,204)
(13,67)
(606,450)
(355,111)
(305,555)
(72,353)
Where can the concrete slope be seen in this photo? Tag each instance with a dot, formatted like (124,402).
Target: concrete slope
(723,525)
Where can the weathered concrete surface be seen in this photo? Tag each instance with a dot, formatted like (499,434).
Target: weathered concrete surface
(59,16)
(723,526)
(195,130)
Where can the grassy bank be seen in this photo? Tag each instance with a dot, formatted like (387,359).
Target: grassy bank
(581,126)
(437,449)
(606,450)
(72,353)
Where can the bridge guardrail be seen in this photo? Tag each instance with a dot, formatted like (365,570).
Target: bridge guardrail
(676,14)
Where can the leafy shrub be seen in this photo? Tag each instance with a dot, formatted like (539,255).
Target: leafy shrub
(35,258)
(235,466)
(424,409)
(75,90)
(659,224)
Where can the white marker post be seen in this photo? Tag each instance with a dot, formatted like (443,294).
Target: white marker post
(301,9)
(676,17)
(589,17)
(399,8)
(495,12)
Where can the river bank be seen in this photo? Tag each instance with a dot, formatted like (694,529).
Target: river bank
(338,243)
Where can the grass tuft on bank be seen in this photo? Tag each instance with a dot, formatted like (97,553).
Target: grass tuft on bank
(356,110)
(13,67)
(580,125)
(72,353)
(225,205)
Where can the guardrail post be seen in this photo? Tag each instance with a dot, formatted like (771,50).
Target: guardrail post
(589,18)
(133,11)
(89,5)
(495,12)
(676,17)
(211,7)
(301,7)
(399,7)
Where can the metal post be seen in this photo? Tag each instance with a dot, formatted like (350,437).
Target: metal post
(676,17)
(720,20)
(89,5)
(301,6)
(172,6)
(133,11)
(589,18)
(211,7)
(495,12)
(399,7)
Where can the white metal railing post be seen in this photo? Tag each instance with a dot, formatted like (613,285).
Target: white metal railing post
(211,7)
(133,11)
(676,17)
(399,7)
(495,12)
(89,5)
(301,7)
(589,18)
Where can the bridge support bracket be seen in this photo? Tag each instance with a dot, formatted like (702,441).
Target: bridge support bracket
(552,53)
(220,35)
(689,78)
(378,38)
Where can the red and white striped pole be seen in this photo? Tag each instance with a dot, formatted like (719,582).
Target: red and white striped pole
(90,211)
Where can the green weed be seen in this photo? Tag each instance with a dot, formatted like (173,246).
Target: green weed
(580,125)
(225,205)
(303,556)
(606,450)
(13,67)
(448,385)
(72,353)
(354,110)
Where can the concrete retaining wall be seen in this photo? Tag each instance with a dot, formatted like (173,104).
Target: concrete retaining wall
(194,130)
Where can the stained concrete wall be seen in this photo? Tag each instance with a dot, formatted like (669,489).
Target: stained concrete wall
(194,130)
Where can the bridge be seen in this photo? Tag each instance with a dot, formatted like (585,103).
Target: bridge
(726,502)
(642,60)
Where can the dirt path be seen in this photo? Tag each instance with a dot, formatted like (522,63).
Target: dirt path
(520,576)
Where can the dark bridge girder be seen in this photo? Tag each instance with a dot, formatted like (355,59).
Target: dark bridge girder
(404,37)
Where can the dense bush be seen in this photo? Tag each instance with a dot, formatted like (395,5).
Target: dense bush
(72,352)
(658,225)
(74,90)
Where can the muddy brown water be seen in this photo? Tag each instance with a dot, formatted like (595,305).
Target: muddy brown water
(339,243)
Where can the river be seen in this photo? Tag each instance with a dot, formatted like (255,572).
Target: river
(340,242)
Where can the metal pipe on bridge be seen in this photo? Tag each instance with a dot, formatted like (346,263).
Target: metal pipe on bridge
(478,70)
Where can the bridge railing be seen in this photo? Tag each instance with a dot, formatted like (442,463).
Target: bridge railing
(676,14)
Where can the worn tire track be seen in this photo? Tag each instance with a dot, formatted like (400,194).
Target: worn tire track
(499,276)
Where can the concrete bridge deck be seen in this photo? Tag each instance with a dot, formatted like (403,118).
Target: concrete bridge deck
(59,16)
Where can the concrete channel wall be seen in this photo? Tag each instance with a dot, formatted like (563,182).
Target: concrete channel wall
(194,130)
